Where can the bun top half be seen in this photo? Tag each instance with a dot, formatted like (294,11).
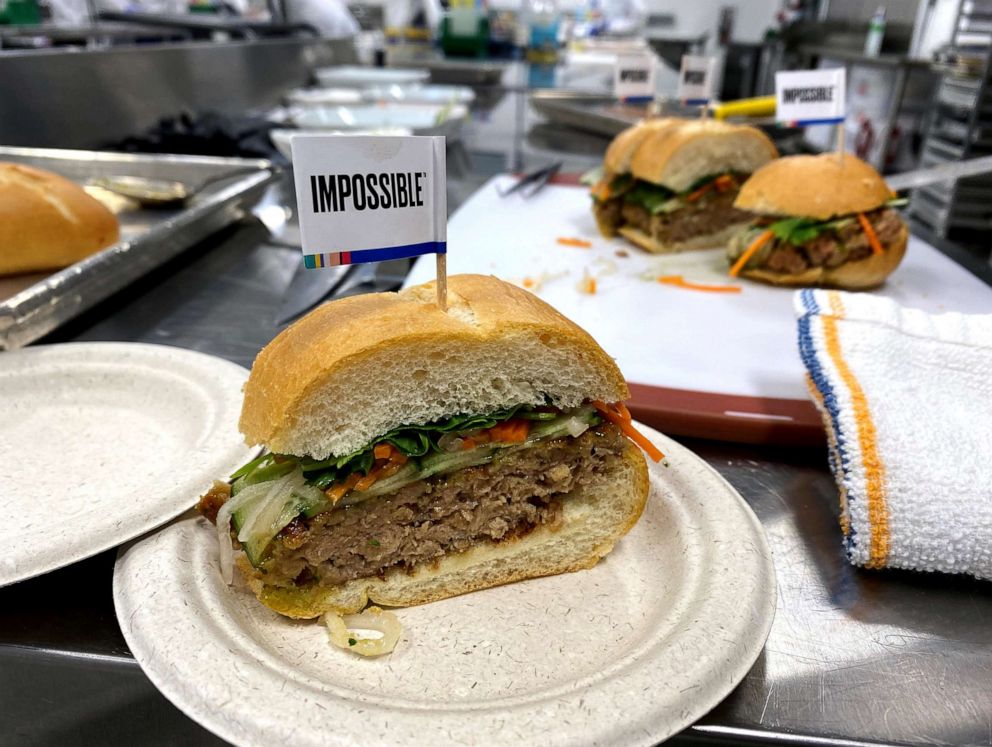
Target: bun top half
(676,153)
(48,222)
(819,187)
(358,367)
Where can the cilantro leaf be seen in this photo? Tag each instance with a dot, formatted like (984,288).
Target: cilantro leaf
(798,231)
(649,196)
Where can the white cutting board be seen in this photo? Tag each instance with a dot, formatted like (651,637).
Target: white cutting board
(738,344)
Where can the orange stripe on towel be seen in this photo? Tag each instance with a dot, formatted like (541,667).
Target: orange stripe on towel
(878,514)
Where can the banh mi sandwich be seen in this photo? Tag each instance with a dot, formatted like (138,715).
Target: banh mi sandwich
(669,185)
(412,454)
(820,220)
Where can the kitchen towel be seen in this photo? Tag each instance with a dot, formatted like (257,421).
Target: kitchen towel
(906,398)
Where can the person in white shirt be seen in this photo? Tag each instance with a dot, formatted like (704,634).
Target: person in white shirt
(331,18)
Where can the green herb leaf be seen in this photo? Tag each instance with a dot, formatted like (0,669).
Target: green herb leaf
(374,542)
(798,230)
(649,196)
(352,641)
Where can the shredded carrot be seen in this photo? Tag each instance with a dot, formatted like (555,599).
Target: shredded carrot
(742,260)
(724,182)
(513,431)
(618,414)
(679,282)
(876,245)
(580,243)
(336,492)
(528,282)
(601,189)
(693,196)
(382,451)
(587,284)
(368,481)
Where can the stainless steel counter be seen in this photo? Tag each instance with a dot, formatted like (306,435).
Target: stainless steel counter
(854,657)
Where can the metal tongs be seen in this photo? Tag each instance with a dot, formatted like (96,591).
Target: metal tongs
(536,178)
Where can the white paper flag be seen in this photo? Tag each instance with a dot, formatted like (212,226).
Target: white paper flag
(633,77)
(369,199)
(696,79)
(808,97)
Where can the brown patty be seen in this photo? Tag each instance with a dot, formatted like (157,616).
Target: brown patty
(426,520)
(830,248)
(711,213)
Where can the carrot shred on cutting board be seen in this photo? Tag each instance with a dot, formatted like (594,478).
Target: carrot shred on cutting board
(618,414)
(580,243)
(742,260)
(679,282)
(876,245)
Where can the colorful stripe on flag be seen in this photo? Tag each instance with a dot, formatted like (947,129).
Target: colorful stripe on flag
(808,122)
(333,259)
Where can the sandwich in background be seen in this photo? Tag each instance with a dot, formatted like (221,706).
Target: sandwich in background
(670,184)
(48,222)
(821,220)
(414,455)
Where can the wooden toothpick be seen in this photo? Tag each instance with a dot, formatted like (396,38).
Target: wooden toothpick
(442,281)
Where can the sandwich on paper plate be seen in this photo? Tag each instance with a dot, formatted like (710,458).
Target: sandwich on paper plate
(670,184)
(413,454)
(48,222)
(819,220)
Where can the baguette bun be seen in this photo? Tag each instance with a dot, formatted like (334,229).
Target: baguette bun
(361,366)
(820,187)
(621,150)
(676,153)
(48,222)
(861,274)
(709,241)
(594,517)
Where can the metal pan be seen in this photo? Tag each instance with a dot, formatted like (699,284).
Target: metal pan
(34,305)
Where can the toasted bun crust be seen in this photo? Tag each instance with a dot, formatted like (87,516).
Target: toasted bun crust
(358,367)
(594,517)
(708,241)
(624,145)
(817,187)
(860,275)
(48,222)
(677,153)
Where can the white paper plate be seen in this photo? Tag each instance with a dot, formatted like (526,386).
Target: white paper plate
(422,119)
(353,76)
(629,652)
(103,441)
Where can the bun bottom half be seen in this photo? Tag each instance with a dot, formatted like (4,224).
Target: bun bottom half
(862,274)
(594,517)
(706,241)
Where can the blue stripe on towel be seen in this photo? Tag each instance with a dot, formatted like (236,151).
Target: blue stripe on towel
(808,353)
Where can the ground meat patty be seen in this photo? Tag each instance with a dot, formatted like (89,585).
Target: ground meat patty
(711,213)
(608,214)
(832,248)
(451,513)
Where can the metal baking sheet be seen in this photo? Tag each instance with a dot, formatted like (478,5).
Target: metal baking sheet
(34,305)
(592,112)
